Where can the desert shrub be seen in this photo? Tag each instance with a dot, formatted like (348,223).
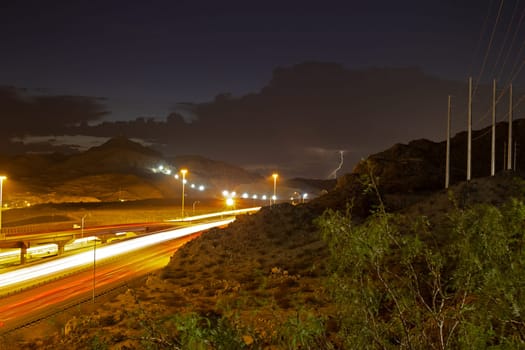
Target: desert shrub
(489,274)
(302,331)
(192,331)
(223,335)
(107,321)
(396,285)
(98,343)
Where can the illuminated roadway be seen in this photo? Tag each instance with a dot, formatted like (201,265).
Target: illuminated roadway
(25,297)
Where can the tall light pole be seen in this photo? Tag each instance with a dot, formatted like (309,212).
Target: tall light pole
(2,178)
(183,172)
(274,197)
(196,202)
(94,266)
(82,226)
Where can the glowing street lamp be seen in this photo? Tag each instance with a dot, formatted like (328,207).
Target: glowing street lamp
(2,178)
(230,202)
(274,197)
(183,172)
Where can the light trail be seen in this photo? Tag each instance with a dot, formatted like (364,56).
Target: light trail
(207,216)
(32,275)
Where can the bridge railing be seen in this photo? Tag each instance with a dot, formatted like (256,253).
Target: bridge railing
(35,228)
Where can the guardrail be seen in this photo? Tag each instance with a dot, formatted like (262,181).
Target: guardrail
(34,228)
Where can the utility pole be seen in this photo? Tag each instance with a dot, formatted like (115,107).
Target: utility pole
(469,128)
(504,155)
(493,149)
(447,163)
(509,143)
(515,152)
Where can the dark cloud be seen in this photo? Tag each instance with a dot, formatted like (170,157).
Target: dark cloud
(308,112)
(301,120)
(24,113)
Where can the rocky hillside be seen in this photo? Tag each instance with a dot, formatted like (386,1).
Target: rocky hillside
(117,169)
(264,278)
(420,164)
(264,282)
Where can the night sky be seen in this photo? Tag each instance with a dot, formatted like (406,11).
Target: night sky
(270,85)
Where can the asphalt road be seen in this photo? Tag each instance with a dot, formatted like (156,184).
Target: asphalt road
(46,299)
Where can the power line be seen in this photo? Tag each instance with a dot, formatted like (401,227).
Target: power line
(482,31)
(518,26)
(507,32)
(489,46)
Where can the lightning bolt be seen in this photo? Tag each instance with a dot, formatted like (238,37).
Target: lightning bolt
(341,162)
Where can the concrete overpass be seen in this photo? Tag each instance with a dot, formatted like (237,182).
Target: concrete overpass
(61,238)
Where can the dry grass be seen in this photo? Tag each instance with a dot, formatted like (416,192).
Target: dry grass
(261,265)
(102,213)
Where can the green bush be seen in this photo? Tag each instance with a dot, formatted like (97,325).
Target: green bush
(397,285)
(303,331)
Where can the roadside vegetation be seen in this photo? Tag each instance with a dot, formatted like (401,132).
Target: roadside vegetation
(396,284)
(450,276)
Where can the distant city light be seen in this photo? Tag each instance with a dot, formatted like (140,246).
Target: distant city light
(229,201)
(180,175)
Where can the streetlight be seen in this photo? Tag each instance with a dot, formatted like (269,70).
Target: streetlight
(82,226)
(2,178)
(183,172)
(274,197)
(196,202)
(94,265)
(230,202)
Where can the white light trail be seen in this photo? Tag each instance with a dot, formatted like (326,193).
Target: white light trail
(221,213)
(34,274)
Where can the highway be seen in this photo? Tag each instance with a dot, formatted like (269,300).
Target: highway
(37,291)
